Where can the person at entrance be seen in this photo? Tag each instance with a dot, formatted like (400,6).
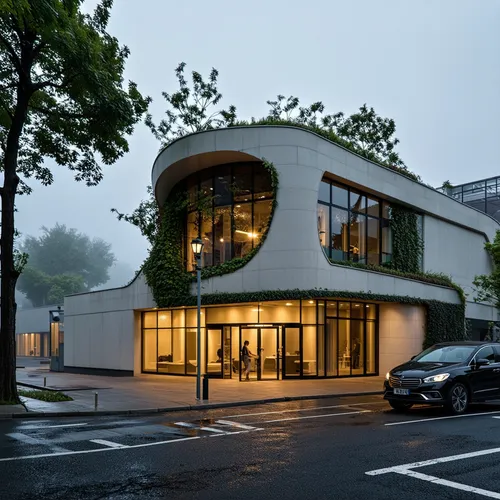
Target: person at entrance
(246,356)
(355,354)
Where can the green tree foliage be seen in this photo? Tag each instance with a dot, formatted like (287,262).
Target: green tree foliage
(190,109)
(195,108)
(42,289)
(63,261)
(487,286)
(62,97)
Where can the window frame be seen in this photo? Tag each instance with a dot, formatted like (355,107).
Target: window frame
(363,211)
(210,174)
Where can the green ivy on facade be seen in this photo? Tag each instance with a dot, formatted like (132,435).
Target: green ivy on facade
(164,268)
(407,244)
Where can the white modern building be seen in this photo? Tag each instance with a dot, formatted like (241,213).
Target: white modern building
(315,284)
(34,329)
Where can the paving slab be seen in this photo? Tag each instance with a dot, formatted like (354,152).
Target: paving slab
(8,410)
(149,393)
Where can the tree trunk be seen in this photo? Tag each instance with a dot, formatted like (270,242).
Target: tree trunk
(8,387)
(9,274)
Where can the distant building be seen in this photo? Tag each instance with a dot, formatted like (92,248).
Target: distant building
(33,328)
(483,195)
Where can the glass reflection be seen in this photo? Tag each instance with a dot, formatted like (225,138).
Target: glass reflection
(354,226)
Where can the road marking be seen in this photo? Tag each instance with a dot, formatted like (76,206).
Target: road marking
(425,463)
(236,432)
(450,484)
(24,438)
(441,418)
(31,427)
(98,450)
(303,409)
(234,424)
(199,428)
(108,443)
(315,416)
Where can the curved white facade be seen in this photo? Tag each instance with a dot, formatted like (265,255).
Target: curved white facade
(291,256)
(103,329)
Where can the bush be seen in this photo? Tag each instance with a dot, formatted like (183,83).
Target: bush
(48,396)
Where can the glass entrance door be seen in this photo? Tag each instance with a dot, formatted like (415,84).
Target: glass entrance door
(218,354)
(264,345)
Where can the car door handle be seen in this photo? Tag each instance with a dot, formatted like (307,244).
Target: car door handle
(496,370)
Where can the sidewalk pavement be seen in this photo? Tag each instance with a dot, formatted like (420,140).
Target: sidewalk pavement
(155,393)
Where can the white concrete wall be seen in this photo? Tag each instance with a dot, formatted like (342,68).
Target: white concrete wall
(455,251)
(291,256)
(401,334)
(101,330)
(33,320)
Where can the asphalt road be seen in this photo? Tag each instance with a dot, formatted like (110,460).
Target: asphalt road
(343,448)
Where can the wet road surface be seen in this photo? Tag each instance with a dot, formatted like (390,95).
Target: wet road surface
(340,448)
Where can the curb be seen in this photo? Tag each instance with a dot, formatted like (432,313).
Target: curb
(39,387)
(202,406)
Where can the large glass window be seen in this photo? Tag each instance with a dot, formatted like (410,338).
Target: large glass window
(350,342)
(234,212)
(168,344)
(353,225)
(339,240)
(302,338)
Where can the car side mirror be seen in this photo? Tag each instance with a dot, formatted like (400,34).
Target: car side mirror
(481,362)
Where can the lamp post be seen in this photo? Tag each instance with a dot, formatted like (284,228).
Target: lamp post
(197,247)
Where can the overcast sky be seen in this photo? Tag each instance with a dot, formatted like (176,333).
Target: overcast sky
(432,65)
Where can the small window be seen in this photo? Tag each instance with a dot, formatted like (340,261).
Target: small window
(486,353)
(357,202)
(324,191)
(497,354)
(340,196)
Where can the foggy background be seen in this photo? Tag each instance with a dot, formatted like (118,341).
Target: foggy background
(431,65)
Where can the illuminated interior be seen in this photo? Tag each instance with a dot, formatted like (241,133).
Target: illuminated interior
(32,344)
(234,215)
(288,339)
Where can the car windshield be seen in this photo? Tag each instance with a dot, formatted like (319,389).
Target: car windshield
(446,354)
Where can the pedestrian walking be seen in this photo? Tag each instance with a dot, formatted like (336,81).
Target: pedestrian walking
(246,356)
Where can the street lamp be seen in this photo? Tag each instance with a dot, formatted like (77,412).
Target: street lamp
(197,247)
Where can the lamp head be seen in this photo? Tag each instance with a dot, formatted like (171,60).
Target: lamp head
(197,247)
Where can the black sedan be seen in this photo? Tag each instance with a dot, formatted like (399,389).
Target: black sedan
(452,375)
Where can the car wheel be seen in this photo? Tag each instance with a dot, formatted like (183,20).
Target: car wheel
(400,405)
(458,399)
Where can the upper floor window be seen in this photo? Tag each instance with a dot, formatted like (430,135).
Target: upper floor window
(234,215)
(353,225)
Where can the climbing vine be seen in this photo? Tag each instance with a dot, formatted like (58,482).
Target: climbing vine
(164,269)
(407,243)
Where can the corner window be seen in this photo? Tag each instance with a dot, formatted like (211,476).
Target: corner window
(353,225)
(235,214)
